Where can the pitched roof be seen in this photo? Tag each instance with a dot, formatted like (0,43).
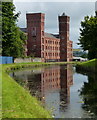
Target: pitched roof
(49,35)
(45,34)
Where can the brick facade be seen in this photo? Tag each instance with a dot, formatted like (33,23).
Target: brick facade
(35,29)
(65,43)
(49,47)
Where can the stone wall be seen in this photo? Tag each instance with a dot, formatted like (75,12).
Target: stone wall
(25,60)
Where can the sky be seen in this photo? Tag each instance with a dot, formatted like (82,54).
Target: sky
(76,10)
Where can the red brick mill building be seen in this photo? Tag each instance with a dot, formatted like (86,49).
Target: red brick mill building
(49,47)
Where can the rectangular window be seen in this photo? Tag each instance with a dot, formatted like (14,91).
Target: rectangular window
(43,55)
(42,47)
(42,40)
(46,47)
(43,33)
(34,31)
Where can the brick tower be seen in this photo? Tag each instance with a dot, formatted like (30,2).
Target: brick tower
(64,36)
(35,30)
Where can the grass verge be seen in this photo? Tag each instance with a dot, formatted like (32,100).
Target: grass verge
(88,66)
(16,101)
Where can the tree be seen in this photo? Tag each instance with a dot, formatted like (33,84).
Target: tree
(12,42)
(88,36)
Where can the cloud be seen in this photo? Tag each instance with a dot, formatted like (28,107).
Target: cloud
(96,6)
(55,0)
(76,11)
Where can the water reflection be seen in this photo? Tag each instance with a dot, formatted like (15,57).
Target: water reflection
(47,83)
(89,93)
(57,88)
(66,80)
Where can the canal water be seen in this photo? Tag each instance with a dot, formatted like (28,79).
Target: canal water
(65,92)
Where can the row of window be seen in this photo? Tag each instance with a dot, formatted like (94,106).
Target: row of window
(52,73)
(52,86)
(51,54)
(50,48)
(50,42)
(52,80)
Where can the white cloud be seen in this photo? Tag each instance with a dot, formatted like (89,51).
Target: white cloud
(76,11)
(55,0)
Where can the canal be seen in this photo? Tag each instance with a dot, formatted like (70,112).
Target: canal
(65,92)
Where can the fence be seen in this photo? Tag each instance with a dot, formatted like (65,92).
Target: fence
(6,60)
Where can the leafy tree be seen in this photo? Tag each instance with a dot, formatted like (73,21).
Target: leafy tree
(12,42)
(88,36)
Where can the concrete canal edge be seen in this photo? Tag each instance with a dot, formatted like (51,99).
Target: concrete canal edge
(16,101)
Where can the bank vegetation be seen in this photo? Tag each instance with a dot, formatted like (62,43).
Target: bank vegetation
(88,66)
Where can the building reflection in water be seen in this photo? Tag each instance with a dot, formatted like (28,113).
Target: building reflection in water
(66,80)
(58,78)
(50,85)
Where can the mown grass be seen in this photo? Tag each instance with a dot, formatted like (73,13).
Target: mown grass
(89,66)
(16,101)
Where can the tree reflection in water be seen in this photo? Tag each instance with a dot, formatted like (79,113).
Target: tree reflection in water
(89,93)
